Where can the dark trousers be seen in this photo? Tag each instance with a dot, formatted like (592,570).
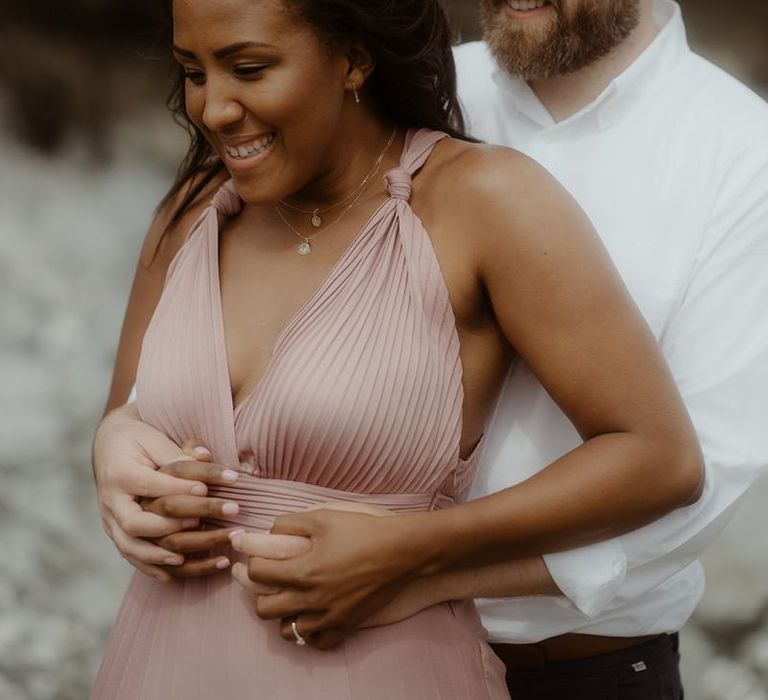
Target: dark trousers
(648,671)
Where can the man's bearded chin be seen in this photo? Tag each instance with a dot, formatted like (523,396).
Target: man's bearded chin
(566,42)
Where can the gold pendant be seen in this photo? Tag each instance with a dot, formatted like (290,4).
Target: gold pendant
(304,248)
(317,222)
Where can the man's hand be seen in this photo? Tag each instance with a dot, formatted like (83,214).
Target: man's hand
(195,544)
(126,457)
(349,571)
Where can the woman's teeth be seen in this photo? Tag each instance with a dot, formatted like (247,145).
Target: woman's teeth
(522,5)
(250,149)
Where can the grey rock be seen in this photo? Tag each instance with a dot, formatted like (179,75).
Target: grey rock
(69,238)
(735,603)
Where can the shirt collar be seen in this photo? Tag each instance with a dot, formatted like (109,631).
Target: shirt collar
(661,55)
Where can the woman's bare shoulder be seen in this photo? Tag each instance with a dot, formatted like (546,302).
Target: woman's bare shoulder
(492,173)
(501,195)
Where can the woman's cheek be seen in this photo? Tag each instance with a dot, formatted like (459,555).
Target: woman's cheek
(194,104)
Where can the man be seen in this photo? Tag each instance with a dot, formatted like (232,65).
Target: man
(669,157)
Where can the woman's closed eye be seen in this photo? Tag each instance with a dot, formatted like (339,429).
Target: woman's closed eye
(252,70)
(244,71)
(196,77)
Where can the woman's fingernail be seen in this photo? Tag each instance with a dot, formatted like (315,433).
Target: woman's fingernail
(236,538)
(223,564)
(229,475)
(190,522)
(198,490)
(173,561)
(230,508)
(202,451)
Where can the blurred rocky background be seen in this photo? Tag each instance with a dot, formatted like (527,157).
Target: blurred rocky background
(86,150)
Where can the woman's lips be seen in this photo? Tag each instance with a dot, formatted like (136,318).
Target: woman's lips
(244,156)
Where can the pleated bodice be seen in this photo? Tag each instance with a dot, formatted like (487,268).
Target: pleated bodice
(363,392)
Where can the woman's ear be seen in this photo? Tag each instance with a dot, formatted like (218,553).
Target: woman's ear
(360,66)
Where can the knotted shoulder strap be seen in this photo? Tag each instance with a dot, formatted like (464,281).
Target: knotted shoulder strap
(417,149)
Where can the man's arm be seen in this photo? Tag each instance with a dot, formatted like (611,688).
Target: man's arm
(520,577)
(126,453)
(717,348)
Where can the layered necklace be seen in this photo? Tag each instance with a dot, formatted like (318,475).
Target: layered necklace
(315,215)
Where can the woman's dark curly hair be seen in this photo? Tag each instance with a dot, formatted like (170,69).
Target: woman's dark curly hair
(413,83)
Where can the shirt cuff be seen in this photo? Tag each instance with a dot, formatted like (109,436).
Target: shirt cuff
(589,577)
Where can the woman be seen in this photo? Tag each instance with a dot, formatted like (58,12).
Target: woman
(336,335)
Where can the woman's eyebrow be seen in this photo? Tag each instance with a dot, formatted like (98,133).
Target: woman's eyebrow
(227,50)
(182,52)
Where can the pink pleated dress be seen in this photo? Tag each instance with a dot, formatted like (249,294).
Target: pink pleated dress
(361,401)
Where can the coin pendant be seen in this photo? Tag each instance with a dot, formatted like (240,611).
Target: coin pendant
(317,222)
(303,248)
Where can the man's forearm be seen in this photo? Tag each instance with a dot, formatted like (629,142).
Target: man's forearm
(520,577)
(127,412)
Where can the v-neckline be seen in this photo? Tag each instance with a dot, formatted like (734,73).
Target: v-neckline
(218,306)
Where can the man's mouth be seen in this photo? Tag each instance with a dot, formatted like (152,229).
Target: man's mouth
(527,5)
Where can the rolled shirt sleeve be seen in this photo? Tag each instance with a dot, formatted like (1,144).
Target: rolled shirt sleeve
(589,577)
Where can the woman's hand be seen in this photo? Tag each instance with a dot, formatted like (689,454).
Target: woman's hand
(519,577)
(348,569)
(126,457)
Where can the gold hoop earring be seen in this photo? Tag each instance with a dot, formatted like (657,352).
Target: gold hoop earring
(354,91)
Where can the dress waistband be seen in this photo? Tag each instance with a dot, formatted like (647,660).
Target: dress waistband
(262,500)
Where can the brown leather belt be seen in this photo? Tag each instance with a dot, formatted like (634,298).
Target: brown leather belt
(565,647)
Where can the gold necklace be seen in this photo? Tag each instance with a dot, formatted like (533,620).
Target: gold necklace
(305,247)
(314,215)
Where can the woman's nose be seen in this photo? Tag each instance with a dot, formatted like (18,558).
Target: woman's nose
(221,109)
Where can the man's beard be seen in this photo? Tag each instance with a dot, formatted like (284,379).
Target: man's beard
(566,44)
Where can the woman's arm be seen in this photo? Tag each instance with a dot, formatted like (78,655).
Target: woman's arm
(565,311)
(520,577)
(563,308)
(161,244)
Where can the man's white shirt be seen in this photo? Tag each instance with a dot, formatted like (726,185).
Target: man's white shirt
(670,163)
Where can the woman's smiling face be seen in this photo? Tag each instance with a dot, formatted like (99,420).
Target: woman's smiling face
(264,89)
